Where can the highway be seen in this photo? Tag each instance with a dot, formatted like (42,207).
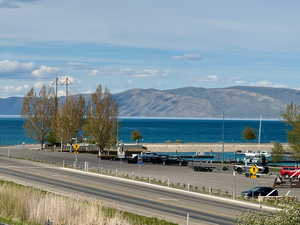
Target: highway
(131,197)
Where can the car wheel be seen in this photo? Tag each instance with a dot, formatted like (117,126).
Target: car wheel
(239,170)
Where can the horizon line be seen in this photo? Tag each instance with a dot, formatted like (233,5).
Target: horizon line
(173,118)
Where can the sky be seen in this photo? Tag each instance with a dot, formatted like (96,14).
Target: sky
(124,44)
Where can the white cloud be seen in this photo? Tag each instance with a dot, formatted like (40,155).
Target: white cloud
(266,83)
(13,3)
(262,83)
(8,66)
(13,90)
(44,71)
(129,72)
(64,79)
(194,57)
(209,78)
(93,72)
(12,69)
(143,73)
(61,93)
(38,85)
(241,82)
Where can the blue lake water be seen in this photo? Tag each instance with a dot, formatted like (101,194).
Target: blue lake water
(162,130)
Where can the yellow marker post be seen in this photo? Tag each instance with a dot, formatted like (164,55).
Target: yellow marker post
(253,171)
(76,147)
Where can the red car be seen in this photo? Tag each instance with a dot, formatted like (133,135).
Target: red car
(288,171)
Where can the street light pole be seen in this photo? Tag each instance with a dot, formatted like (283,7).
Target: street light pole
(259,129)
(223,137)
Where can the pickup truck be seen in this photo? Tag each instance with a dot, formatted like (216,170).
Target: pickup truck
(288,171)
(245,169)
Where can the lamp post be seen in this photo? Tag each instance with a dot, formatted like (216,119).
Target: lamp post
(223,137)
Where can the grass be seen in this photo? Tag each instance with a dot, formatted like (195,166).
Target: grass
(21,205)
(13,222)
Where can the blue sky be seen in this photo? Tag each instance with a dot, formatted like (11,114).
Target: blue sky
(125,44)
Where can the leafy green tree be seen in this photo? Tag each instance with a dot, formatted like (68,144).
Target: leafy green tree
(290,215)
(277,152)
(249,134)
(52,138)
(292,117)
(37,110)
(136,136)
(101,122)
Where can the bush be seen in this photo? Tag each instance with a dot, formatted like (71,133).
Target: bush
(290,215)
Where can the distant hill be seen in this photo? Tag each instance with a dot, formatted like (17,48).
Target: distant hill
(236,102)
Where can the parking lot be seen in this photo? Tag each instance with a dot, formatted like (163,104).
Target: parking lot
(224,181)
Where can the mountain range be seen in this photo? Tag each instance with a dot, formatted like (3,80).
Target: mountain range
(235,102)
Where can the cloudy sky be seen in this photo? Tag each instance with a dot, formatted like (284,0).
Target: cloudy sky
(166,44)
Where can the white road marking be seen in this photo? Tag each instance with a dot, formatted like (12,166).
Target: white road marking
(168,199)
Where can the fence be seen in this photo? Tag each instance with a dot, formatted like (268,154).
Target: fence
(117,172)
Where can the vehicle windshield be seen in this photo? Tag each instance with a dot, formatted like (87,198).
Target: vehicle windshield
(255,189)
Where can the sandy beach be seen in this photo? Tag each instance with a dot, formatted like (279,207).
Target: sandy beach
(210,147)
(188,147)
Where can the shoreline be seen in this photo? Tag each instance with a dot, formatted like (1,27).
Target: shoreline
(210,147)
(187,147)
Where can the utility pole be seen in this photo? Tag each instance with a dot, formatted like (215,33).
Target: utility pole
(223,137)
(259,130)
(56,100)
(67,88)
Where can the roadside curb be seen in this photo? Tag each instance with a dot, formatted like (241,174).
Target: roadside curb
(211,197)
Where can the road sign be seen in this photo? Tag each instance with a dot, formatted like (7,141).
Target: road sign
(253,171)
(76,147)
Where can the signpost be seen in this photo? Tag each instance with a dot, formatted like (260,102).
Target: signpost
(253,171)
(76,148)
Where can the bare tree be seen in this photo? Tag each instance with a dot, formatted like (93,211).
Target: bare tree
(37,111)
(101,123)
(69,118)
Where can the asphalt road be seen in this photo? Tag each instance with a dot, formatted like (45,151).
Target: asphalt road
(175,174)
(123,195)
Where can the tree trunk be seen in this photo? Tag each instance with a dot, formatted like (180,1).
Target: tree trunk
(42,144)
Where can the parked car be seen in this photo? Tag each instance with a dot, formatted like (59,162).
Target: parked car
(203,168)
(288,171)
(259,191)
(150,157)
(133,159)
(245,169)
(175,160)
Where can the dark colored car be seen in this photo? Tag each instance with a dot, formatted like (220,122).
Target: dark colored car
(159,159)
(259,191)
(175,160)
(150,157)
(133,159)
(203,168)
